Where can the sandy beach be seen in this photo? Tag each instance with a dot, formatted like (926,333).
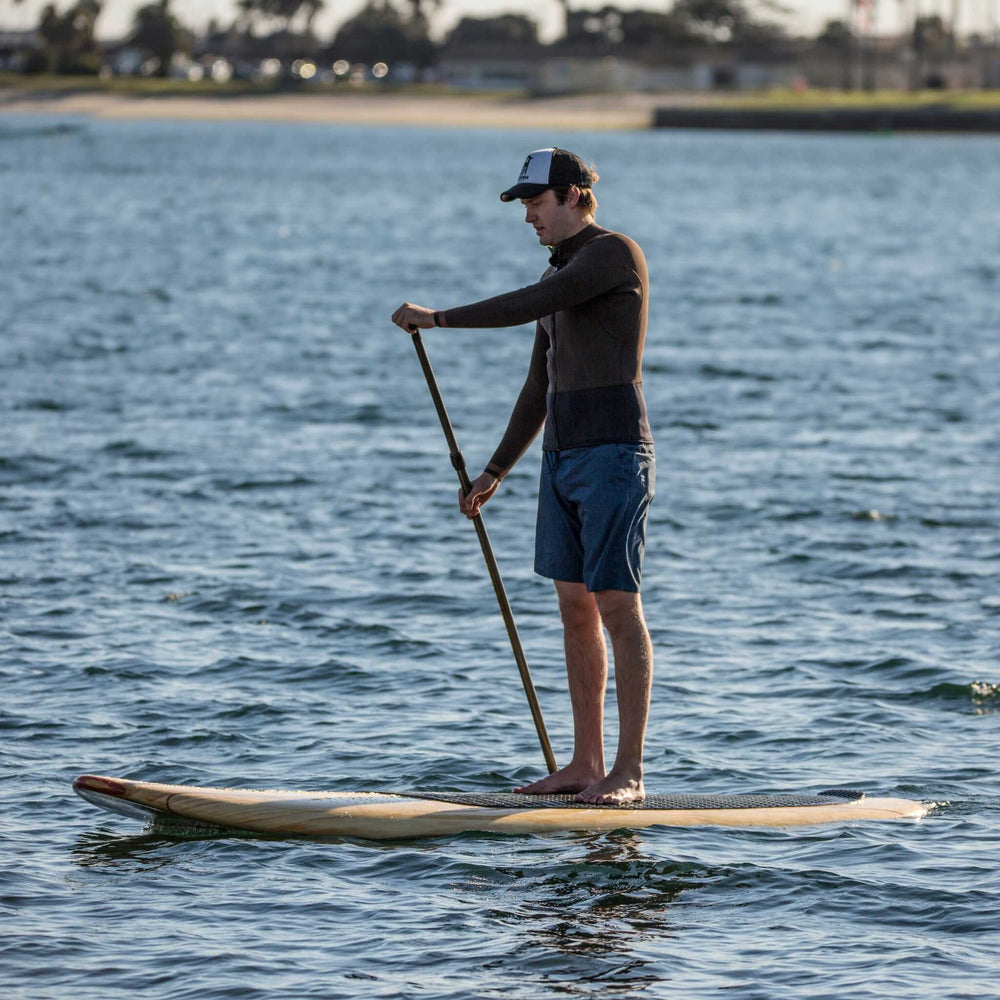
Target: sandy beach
(824,111)
(601,111)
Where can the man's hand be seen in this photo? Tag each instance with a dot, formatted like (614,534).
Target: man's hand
(411,318)
(481,490)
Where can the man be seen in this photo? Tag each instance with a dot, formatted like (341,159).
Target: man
(584,385)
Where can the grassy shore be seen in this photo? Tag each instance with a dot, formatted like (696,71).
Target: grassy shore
(809,100)
(775,97)
(152,86)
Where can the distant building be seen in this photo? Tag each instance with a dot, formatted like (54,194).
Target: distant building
(16,48)
(605,50)
(545,72)
(890,63)
(715,68)
(466,70)
(491,53)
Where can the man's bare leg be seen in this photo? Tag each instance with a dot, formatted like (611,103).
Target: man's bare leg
(587,673)
(622,615)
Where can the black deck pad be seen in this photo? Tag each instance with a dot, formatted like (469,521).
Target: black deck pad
(513,800)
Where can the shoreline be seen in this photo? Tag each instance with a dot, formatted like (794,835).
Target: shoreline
(630,111)
(577,112)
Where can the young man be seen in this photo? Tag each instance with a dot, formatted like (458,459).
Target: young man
(584,385)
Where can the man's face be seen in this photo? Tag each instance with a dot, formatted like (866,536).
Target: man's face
(553,222)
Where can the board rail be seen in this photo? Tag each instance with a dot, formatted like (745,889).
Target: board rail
(396,815)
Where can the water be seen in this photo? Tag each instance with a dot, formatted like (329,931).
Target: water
(230,555)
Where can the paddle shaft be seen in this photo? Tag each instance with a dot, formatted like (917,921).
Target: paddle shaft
(458,461)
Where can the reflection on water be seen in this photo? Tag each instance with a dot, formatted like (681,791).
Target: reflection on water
(593,913)
(107,851)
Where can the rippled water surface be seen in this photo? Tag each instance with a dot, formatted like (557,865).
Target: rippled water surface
(229,554)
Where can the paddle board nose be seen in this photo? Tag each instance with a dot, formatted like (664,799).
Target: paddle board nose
(96,783)
(109,795)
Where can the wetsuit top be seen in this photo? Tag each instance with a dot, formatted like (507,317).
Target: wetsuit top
(585,381)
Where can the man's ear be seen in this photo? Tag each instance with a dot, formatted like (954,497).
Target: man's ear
(573,196)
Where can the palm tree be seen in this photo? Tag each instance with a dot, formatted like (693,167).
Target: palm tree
(69,36)
(157,33)
(417,8)
(280,10)
(565,8)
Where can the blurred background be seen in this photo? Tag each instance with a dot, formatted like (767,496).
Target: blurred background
(548,47)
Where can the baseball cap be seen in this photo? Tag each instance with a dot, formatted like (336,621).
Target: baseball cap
(546,168)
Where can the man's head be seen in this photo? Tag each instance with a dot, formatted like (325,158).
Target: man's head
(550,168)
(555,187)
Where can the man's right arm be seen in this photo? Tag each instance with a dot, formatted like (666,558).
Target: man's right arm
(599,267)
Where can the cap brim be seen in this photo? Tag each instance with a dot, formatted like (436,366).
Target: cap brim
(523,191)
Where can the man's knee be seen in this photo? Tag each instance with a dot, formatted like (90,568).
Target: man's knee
(621,611)
(577,607)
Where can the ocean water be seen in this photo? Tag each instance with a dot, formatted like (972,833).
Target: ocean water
(230,554)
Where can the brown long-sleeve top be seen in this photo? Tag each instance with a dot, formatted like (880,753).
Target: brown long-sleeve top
(585,377)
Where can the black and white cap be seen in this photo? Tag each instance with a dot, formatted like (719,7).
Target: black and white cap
(546,168)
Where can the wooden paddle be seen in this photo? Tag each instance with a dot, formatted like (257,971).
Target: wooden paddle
(458,461)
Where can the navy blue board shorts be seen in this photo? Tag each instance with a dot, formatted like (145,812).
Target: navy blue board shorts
(592,505)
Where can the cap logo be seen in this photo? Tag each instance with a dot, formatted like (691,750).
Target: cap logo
(536,167)
(536,175)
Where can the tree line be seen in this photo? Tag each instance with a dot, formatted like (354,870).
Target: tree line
(398,31)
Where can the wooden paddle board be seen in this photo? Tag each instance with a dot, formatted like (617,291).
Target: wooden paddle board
(391,816)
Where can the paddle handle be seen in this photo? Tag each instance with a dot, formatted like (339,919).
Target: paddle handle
(458,461)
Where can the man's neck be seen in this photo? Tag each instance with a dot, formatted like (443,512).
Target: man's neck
(585,221)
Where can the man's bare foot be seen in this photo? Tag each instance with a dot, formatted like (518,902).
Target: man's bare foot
(568,780)
(613,790)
